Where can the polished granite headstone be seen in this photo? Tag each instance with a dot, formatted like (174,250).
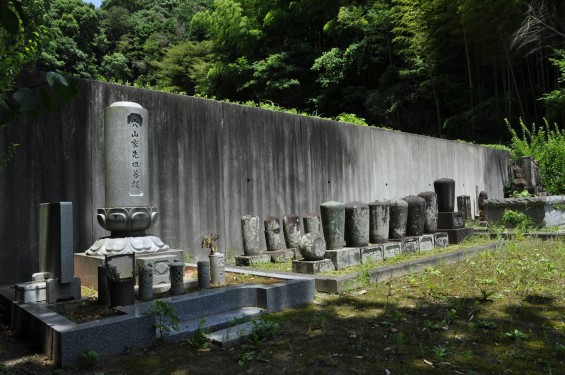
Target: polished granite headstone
(450,222)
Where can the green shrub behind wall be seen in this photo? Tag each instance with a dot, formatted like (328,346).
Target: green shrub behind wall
(546,144)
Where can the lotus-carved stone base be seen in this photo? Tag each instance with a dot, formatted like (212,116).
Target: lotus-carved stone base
(127,219)
(127,245)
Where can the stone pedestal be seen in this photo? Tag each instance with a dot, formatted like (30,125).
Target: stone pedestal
(281,256)
(410,244)
(427,242)
(252,260)
(441,239)
(392,249)
(312,266)
(58,291)
(31,292)
(86,266)
(276,256)
(372,253)
(453,223)
(343,258)
(159,263)
(450,220)
(456,236)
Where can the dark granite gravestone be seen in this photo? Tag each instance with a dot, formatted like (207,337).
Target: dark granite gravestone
(450,222)
(445,190)
(356,224)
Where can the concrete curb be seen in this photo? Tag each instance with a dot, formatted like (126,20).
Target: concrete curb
(64,341)
(356,280)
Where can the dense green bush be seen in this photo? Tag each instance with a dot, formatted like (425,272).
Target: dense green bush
(546,144)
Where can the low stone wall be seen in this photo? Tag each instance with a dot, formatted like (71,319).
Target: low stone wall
(543,211)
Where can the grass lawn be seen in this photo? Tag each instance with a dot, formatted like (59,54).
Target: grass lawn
(497,313)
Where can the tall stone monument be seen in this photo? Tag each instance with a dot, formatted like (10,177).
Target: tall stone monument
(128,211)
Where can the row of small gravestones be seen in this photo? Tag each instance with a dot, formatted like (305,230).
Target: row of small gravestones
(356,222)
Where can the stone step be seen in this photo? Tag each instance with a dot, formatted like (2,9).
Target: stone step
(215,322)
(233,335)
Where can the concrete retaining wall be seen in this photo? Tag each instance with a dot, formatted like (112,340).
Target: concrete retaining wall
(542,211)
(212,163)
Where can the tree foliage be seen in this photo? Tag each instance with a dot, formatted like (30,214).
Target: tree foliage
(448,68)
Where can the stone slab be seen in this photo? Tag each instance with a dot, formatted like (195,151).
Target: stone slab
(372,253)
(343,258)
(86,266)
(218,321)
(232,336)
(441,239)
(450,220)
(312,266)
(31,292)
(160,263)
(456,236)
(427,242)
(252,260)
(58,291)
(392,249)
(281,256)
